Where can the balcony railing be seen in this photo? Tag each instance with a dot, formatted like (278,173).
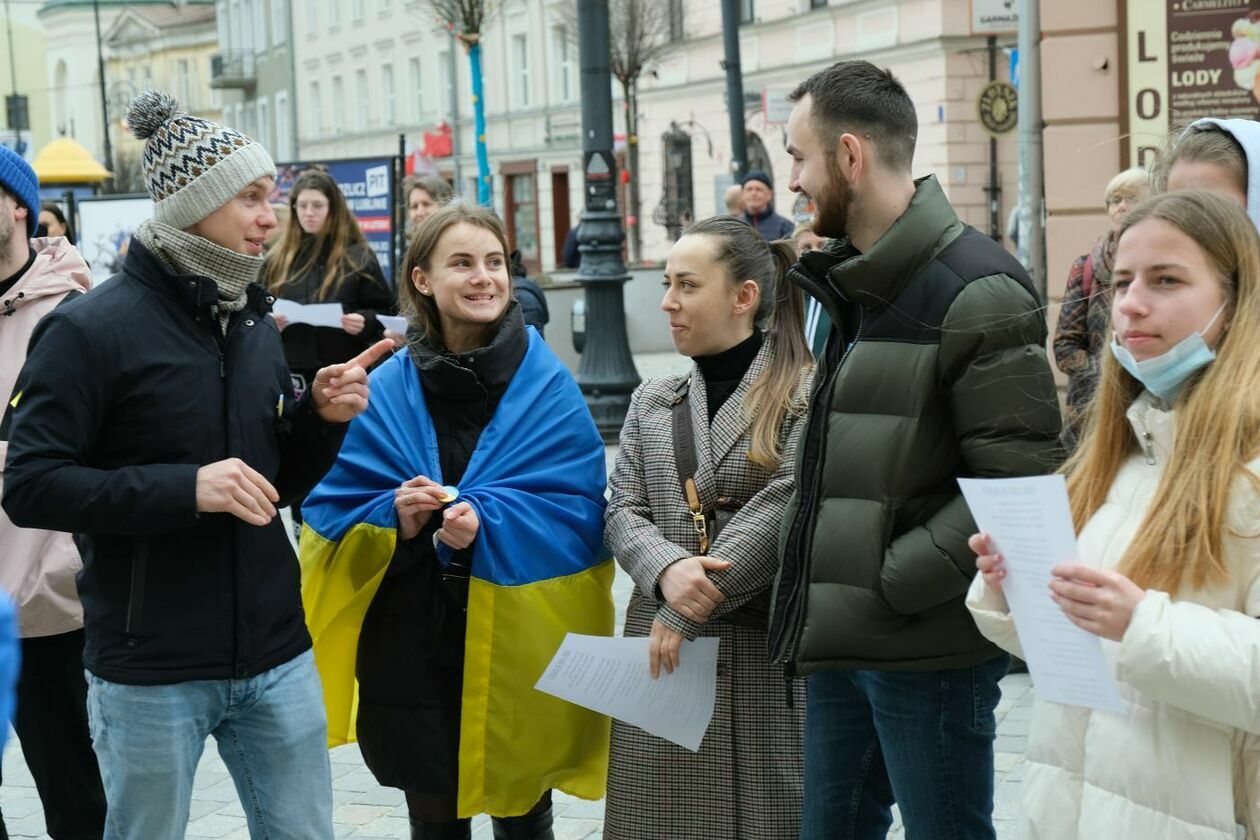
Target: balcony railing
(232,69)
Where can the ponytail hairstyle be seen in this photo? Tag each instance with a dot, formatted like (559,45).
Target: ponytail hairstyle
(744,255)
(340,235)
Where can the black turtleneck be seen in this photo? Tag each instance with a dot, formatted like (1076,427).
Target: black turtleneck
(9,282)
(723,371)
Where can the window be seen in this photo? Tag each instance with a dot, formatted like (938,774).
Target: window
(284,132)
(445,94)
(183,83)
(264,123)
(221,24)
(521,207)
(260,25)
(361,93)
(416,79)
(279,21)
(564,63)
(235,25)
(249,25)
(317,112)
(338,105)
(676,32)
(312,21)
(746,11)
(334,13)
(520,62)
(387,94)
(356,11)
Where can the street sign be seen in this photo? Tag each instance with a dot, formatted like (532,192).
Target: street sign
(998,108)
(775,105)
(994,17)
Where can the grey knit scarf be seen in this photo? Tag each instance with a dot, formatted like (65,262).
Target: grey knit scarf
(187,253)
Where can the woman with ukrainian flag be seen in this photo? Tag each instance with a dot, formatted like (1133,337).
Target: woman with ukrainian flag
(455,542)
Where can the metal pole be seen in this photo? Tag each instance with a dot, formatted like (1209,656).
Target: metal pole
(734,89)
(100,67)
(606,374)
(452,68)
(1032,232)
(8,25)
(995,187)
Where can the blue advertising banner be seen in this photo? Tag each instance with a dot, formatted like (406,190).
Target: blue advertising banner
(368,185)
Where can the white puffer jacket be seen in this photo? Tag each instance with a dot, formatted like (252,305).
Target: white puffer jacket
(1183,761)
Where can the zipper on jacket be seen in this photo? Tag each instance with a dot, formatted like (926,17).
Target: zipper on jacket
(792,641)
(1148,444)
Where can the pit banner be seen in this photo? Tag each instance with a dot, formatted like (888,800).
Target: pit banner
(368,185)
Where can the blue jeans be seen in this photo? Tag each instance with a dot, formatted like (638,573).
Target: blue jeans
(272,733)
(921,739)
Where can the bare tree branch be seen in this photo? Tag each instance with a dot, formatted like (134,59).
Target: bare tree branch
(467,17)
(639,31)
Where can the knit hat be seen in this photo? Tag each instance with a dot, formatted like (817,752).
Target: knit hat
(19,180)
(758,175)
(192,166)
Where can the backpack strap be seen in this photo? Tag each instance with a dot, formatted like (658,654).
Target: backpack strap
(685,461)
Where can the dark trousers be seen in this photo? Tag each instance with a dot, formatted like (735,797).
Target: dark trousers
(51,722)
(922,739)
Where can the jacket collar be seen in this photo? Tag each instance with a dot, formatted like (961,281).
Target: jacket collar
(715,440)
(491,367)
(874,279)
(1154,426)
(193,292)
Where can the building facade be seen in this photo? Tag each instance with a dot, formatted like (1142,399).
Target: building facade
(254,71)
(165,48)
(27,77)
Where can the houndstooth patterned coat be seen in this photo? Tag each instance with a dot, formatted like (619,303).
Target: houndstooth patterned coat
(746,781)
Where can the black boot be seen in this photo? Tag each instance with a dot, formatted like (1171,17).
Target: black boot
(453,830)
(529,827)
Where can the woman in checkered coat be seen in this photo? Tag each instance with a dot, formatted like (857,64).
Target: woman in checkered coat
(744,400)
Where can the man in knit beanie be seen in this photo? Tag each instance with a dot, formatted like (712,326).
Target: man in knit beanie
(155,419)
(758,195)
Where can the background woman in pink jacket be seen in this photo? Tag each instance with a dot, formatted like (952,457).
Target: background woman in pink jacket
(37,568)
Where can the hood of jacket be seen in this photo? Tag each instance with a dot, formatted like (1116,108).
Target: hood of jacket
(1247,134)
(58,268)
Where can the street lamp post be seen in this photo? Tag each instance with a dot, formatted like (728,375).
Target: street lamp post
(734,89)
(100,67)
(606,375)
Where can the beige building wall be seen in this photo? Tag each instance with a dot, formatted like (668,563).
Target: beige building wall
(1083,143)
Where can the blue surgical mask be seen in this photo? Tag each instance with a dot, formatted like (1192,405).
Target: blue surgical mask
(1164,375)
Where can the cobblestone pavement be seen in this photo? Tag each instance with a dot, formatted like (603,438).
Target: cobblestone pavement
(363,810)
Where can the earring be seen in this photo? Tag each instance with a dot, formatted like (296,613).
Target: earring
(426,291)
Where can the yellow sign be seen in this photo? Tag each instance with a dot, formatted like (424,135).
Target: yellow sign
(998,108)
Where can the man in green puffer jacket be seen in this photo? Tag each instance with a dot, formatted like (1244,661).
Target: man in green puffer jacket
(935,369)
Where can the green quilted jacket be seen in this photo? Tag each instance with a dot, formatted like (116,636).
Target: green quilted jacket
(935,369)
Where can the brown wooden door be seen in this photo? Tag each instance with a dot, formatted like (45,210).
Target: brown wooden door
(561,218)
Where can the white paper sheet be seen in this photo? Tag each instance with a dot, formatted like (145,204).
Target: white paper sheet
(1030,524)
(394,323)
(315,314)
(611,676)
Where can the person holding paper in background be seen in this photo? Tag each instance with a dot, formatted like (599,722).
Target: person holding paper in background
(1165,494)
(324,258)
(732,310)
(455,542)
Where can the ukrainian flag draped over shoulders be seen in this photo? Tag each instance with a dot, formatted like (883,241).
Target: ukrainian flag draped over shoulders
(539,571)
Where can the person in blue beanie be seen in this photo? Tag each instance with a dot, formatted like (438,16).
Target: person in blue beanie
(759,207)
(10,659)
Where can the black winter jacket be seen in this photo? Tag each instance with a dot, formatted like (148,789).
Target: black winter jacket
(361,289)
(126,392)
(411,650)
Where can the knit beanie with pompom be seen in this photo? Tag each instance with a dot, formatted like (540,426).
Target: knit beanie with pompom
(192,166)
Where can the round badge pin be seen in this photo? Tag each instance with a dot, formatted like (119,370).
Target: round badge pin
(449,494)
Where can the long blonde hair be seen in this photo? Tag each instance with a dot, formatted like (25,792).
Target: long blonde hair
(744,255)
(340,234)
(1218,413)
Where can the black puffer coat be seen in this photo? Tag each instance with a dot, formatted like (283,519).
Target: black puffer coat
(411,650)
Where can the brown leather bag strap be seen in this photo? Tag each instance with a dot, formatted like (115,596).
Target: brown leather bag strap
(685,461)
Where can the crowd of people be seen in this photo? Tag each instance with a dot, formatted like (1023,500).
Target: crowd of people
(794,496)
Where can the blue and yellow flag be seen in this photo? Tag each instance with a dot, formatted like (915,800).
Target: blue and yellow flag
(539,571)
